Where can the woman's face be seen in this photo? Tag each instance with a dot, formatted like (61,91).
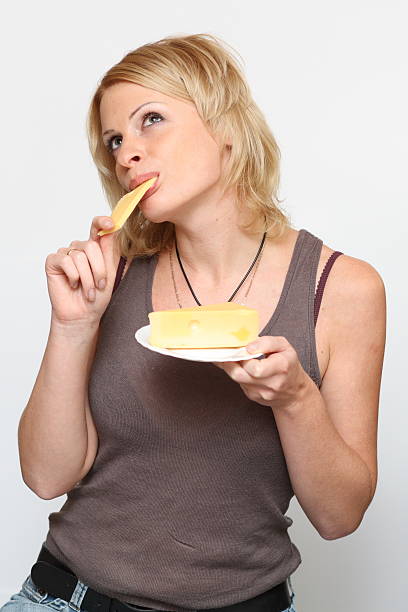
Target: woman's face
(167,136)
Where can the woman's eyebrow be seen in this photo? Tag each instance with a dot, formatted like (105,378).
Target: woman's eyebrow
(135,111)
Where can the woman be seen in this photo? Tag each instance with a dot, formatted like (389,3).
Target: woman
(179,473)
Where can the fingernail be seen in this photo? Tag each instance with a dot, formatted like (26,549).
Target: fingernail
(252,348)
(102,284)
(91,294)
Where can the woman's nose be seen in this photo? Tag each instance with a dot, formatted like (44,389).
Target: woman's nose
(131,149)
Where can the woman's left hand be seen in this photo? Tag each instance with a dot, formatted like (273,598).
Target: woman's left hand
(278,380)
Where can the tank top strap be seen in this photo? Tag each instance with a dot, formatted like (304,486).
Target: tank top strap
(294,316)
(303,270)
(309,253)
(119,272)
(322,283)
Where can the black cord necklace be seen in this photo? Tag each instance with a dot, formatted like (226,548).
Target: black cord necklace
(250,268)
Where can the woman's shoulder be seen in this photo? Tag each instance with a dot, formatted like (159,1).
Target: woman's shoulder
(350,272)
(353,285)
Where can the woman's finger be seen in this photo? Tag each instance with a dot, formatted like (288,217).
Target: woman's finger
(98,223)
(96,260)
(86,278)
(236,371)
(60,261)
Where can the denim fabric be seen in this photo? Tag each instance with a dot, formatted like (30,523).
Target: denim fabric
(292,598)
(31,599)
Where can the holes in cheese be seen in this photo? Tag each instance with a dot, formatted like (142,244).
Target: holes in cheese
(225,325)
(126,205)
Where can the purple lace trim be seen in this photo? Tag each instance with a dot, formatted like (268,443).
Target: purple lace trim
(322,282)
(119,273)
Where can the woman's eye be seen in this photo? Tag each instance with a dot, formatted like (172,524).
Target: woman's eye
(110,142)
(151,115)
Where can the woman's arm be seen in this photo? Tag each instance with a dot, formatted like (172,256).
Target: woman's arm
(56,435)
(329,437)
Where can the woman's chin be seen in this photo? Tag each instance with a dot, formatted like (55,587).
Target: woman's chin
(153,212)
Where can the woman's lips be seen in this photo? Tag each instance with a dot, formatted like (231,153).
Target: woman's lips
(151,190)
(141,178)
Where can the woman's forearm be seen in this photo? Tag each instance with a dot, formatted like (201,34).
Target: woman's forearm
(52,432)
(330,480)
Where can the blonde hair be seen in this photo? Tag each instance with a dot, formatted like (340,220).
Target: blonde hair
(200,69)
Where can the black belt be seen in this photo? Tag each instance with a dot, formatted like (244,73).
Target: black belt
(55,578)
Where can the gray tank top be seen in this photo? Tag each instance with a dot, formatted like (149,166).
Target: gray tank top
(184,507)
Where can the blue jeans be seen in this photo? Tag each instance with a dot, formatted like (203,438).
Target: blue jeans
(31,599)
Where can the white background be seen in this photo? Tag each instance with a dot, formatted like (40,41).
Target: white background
(331,80)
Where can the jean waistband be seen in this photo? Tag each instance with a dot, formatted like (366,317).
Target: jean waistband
(52,576)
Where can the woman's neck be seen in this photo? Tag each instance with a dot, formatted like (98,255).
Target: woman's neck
(217,253)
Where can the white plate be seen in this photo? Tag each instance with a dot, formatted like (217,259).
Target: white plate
(222,354)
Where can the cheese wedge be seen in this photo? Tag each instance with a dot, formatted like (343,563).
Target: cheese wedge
(126,205)
(222,325)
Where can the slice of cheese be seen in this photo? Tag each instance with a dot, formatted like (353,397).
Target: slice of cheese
(127,204)
(213,326)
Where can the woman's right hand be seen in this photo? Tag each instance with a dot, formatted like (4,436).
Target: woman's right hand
(73,280)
